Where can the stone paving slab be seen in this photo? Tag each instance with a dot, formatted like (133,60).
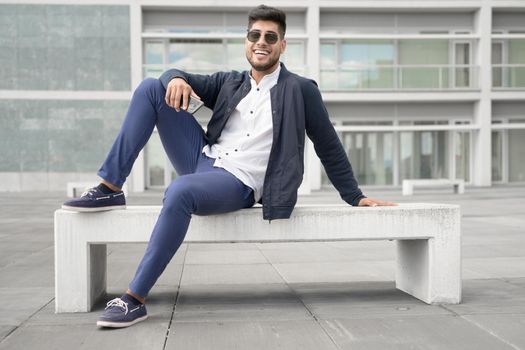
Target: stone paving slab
(507,327)
(258,335)
(151,335)
(450,332)
(252,302)
(490,296)
(319,272)
(313,252)
(18,304)
(224,256)
(500,267)
(361,300)
(230,274)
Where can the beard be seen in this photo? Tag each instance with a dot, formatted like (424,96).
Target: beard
(263,67)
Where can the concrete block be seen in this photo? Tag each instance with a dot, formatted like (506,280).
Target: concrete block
(408,185)
(428,240)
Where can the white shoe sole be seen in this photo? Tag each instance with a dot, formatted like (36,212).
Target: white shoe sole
(80,209)
(120,324)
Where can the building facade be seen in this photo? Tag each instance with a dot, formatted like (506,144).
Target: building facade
(415,89)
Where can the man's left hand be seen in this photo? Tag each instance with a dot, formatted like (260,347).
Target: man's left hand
(370,202)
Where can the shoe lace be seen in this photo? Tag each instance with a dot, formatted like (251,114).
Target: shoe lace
(88,192)
(118,303)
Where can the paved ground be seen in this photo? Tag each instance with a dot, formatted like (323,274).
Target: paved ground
(275,296)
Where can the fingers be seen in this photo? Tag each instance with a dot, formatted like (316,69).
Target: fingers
(370,202)
(178,94)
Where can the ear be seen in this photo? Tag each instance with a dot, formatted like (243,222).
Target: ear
(283,46)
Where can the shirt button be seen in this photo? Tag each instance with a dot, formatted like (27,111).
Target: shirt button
(251,112)
(227,153)
(258,89)
(236,150)
(220,158)
(247,134)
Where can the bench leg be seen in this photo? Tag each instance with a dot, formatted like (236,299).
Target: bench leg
(429,271)
(408,188)
(80,273)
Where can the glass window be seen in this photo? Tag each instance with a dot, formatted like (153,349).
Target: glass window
(156,161)
(516,147)
(236,55)
(362,63)
(293,57)
(371,156)
(517,58)
(497,155)
(462,60)
(197,56)
(57,136)
(424,155)
(328,55)
(462,155)
(414,53)
(64,47)
(154,52)
(497,60)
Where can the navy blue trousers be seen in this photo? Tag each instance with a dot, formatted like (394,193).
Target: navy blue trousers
(200,188)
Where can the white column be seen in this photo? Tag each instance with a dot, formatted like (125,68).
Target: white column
(312,162)
(482,174)
(137,179)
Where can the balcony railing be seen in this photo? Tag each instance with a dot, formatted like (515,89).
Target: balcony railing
(400,77)
(508,76)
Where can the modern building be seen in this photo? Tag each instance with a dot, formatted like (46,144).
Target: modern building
(415,89)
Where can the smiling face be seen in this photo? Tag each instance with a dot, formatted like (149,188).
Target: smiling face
(263,56)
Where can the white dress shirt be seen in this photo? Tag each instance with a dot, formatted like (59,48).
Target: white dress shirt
(243,149)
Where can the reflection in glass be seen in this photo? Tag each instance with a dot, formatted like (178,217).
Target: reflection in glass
(424,155)
(371,156)
(462,155)
(461,73)
(497,60)
(156,161)
(516,159)
(423,52)
(197,56)
(497,156)
(517,58)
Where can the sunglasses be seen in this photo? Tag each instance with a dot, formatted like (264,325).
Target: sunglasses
(270,37)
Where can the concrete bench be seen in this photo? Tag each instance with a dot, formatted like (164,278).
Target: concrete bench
(409,184)
(74,187)
(428,262)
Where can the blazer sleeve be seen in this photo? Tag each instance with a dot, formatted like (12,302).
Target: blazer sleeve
(206,86)
(327,145)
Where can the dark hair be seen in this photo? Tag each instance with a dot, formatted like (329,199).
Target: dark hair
(267,13)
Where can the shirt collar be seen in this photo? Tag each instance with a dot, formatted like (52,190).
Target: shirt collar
(269,80)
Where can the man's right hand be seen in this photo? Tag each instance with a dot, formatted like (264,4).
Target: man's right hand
(179,90)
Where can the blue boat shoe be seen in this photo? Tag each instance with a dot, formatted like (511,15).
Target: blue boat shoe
(120,314)
(94,199)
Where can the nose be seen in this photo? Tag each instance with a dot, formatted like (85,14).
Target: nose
(261,40)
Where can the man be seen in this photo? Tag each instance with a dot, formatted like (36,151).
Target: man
(252,150)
